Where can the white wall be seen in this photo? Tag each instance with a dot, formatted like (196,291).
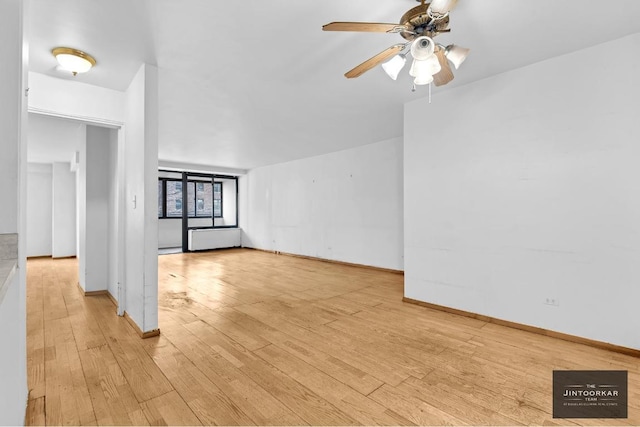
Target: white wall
(112,215)
(51,210)
(97,209)
(169,233)
(63,238)
(39,209)
(523,187)
(170,230)
(228,203)
(53,139)
(141,171)
(68,98)
(13,120)
(344,206)
(10,114)
(12,357)
(134,112)
(243,210)
(81,210)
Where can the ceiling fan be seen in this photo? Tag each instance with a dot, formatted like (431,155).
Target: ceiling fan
(418,26)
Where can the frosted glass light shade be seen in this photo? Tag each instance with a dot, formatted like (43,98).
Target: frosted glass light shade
(456,54)
(420,81)
(441,8)
(73,60)
(73,63)
(422,48)
(393,66)
(433,64)
(428,67)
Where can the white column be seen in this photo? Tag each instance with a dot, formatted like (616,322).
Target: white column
(141,195)
(10,111)
(13,116)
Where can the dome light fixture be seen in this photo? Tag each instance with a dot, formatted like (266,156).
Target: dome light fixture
(73,60)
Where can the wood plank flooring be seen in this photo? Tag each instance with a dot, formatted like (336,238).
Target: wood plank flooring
(252,338)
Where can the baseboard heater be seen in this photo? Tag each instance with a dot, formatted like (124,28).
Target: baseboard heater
(214,238)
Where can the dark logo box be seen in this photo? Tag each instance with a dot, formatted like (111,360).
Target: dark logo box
(589,394)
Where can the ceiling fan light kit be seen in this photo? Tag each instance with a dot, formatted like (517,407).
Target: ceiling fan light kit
(73,60)
(419,25)
(422,80)
(441,8)
(422,48)
(393,66)
(420,69)
(456,54)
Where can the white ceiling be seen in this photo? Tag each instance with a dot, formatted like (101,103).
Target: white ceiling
(245,84)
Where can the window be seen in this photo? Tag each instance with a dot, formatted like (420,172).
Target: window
(191,199)
(174,199)
(217,199)
(204,199)
(160,198)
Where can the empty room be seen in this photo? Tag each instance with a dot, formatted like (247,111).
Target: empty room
(354,212)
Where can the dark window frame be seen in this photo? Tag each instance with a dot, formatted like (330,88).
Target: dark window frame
(185,219)
(164,215)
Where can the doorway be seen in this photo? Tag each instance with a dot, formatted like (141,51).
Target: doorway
(73,199)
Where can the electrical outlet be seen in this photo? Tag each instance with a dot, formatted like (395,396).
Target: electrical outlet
(551,301)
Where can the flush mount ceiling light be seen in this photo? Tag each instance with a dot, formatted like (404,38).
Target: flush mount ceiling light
(73,60)
(418,26)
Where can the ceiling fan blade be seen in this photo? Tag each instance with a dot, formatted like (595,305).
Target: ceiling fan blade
(445,75)
(368,27)
(442,7)
(372,62)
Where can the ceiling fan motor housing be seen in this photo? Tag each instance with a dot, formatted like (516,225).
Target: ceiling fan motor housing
(420,24)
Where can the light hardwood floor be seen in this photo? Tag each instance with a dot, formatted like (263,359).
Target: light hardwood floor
(252,338)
